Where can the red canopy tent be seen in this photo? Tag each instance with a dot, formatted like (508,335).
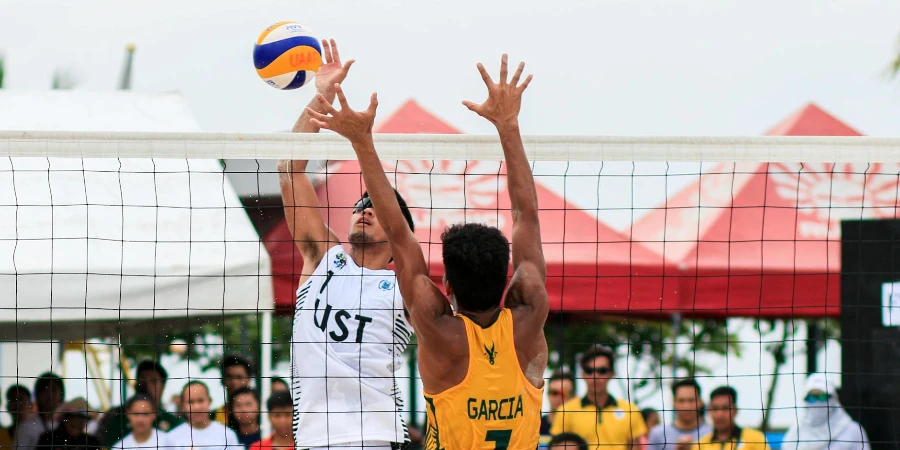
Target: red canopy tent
(591,267)
(764,239)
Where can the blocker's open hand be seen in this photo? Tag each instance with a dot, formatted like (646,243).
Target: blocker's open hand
(332,71)
(504,98)
(356,126)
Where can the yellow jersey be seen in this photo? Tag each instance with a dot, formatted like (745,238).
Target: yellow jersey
(741,439)
(494,407)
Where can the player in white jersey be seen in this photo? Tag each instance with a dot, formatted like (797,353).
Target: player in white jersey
(350,328)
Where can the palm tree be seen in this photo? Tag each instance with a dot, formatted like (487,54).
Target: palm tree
(1,72)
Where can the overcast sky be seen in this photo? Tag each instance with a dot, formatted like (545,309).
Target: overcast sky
(638,67)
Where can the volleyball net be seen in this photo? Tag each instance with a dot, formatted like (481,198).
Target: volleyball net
(746,262)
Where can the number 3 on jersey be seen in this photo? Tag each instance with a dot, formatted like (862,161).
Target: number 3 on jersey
(499,437)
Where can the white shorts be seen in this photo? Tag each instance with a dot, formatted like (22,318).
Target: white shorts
(375,445)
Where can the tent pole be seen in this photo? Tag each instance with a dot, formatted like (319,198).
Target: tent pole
(676,326)
(266,368)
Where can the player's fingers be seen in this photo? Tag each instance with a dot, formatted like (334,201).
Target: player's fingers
(471,105)
(484,75)
(334,52)
(373,103)
(326,51)
(515,78)
(347,66)
(526,83)
(326,105)
(504,70)
(315,115)
(319,124)
(341,98)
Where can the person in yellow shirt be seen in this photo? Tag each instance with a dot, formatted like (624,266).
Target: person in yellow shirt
(598,417)
(481,358)
(726,435)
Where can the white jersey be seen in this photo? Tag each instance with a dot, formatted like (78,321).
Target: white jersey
(348,340)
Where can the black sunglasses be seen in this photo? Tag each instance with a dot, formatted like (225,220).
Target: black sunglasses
(597,371)
(362,204)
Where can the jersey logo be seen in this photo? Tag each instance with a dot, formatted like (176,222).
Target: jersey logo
(491,353)
(385,285)
(340,260)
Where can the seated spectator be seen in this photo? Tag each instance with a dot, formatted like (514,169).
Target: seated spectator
(200,431)
(567,441)
(19,405)
(151,381)
(688,421)
(49,392)
(281,417)
(245,415)
(141,412)
(725,432)
(71,433)
(598,417)
(560,388)
(823,422)
(278,384)
(236,374)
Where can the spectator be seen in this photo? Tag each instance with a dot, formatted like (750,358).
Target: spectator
(722,411)
(200,431)
(5,439)
(151,381)
(278,384)
(49,392)
(236,373)
(281,417)
(824,423)
(688,418)
(651,417)
(245,415)
(560,388)
(598,417)
(567,441)
(141,411)
(71,433)
(19,405)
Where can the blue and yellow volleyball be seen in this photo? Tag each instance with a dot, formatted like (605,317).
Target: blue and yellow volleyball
(287,56)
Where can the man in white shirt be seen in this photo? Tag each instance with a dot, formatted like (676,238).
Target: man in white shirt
(688,418)
(49,391)
(200,432)
(141,413)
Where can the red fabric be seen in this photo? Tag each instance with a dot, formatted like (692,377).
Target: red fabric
(766,241)
(265,444)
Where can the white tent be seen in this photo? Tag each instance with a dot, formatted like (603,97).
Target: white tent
(91,247)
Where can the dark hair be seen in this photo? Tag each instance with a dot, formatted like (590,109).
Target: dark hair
(46,379)
(280,399)
(476,263)
(647,412)
(404,209)
(569,437)
(236,360)
(599,350)
(686,382)
(138,398)
(232,421)
(724,390)
(280,380)
(17,389)
(563,374)
(192,383)
(148,364)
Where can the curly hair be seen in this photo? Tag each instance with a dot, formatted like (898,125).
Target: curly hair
(476,263)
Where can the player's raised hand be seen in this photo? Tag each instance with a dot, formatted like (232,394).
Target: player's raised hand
(332,70)
(504,97)
(353,125)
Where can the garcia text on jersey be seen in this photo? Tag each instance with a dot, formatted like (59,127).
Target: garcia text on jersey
(493,409)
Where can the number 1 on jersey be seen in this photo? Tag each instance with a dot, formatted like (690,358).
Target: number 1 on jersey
(499,437)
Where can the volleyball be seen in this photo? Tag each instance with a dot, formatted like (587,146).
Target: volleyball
(287,55)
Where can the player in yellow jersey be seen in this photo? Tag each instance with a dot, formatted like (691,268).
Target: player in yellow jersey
(482,366)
